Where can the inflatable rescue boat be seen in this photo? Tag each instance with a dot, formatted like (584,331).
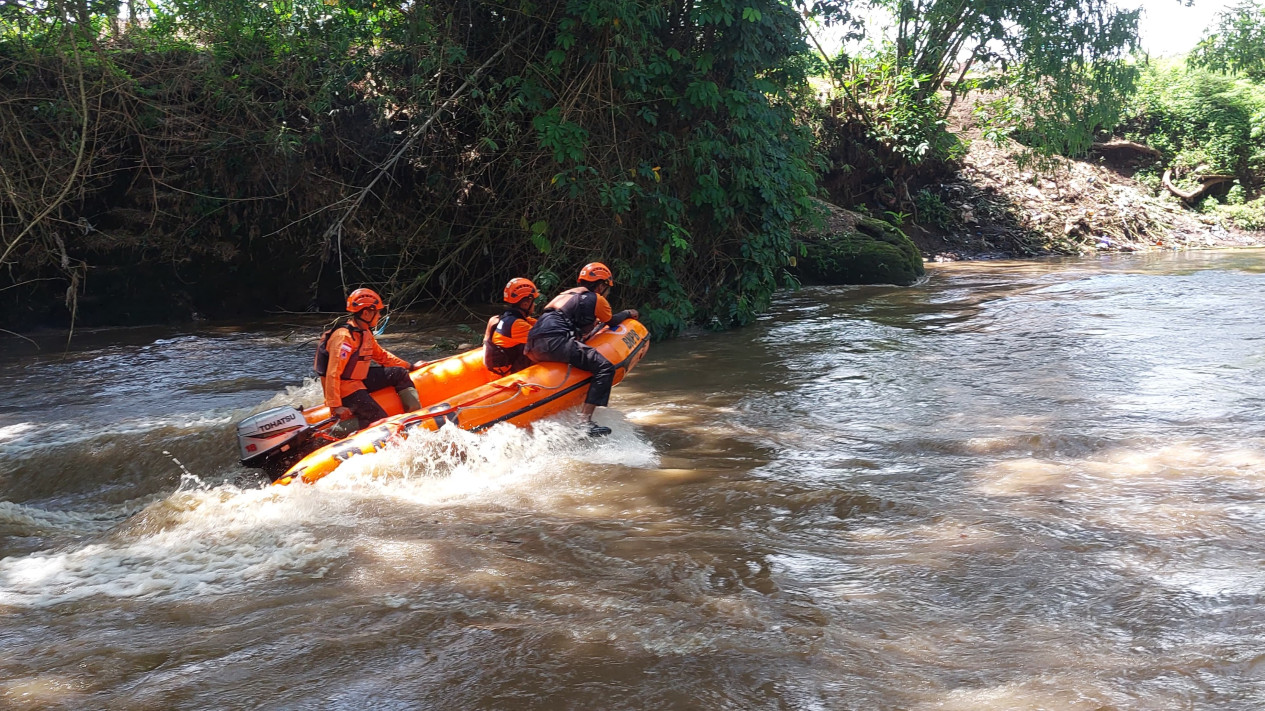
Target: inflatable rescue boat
(289,444)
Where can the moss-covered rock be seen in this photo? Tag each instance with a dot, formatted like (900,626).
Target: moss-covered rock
(855,249)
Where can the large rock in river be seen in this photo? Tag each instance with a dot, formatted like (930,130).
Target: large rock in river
(855,249)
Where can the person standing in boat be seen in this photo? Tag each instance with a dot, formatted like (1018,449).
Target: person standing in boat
(344,358)
(569,320)
(506,335)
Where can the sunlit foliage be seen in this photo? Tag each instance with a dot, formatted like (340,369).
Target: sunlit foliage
(1236,42)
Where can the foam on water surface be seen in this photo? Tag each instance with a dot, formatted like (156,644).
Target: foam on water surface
(204,540)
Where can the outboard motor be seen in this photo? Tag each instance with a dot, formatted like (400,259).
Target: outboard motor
(275,439)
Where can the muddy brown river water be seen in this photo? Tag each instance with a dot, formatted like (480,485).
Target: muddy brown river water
(1035,485)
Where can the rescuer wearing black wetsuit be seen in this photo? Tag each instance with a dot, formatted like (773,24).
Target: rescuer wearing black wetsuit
(568,320)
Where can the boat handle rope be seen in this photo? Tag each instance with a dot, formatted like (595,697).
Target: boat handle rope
(518,385)
(463,405)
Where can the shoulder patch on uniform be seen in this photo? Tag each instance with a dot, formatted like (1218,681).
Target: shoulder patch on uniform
(344,351)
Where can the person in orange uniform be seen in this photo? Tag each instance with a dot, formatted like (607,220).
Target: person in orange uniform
(347,353)
(506,335)
(566,322)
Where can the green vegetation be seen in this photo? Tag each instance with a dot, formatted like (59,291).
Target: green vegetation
(232,157)
(1210,130)
(1062,66)
(1232,113)
(1065,59)
(1236,43)
(247,156)
(1199,118)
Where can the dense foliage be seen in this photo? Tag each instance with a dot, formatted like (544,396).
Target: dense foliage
(1205,123)
(433,150)
(1062,65)
(1236,42)
(1201,118)
(232,156)
(1210,118)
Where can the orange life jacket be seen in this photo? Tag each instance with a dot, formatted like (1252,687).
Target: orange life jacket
(362,354)
(500,349)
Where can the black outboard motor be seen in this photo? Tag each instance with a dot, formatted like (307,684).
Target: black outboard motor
(275,439)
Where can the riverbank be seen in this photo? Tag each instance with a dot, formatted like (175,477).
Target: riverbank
(998,206)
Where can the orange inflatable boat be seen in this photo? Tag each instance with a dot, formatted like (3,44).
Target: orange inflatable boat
(289,444)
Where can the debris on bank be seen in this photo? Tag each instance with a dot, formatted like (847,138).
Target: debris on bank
(1001,206)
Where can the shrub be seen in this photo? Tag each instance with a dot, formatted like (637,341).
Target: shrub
(1200,118)
(1235,42)
(1247,216)
(930,209)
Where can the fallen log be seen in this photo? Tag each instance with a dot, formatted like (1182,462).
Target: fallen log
(1194,196)
(1120,146)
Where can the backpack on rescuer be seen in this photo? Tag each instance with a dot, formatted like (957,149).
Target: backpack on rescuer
(321,363)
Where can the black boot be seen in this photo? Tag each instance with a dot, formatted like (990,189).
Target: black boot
(593,429)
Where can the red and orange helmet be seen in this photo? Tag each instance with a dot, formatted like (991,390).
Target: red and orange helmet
(596,271)
(520,288)
(361,299)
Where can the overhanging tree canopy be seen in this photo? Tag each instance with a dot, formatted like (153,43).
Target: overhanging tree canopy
(1236,42)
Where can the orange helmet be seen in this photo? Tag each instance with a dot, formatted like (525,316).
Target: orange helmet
(596,271)
(519,289)
(362,299)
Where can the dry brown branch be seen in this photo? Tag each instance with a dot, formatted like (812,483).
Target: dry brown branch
(335,230)
(70,181)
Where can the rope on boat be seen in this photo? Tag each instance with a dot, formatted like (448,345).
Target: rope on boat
(520,387)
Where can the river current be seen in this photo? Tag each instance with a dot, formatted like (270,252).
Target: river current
(1017,485)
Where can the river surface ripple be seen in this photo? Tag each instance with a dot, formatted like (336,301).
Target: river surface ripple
(1026,485)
